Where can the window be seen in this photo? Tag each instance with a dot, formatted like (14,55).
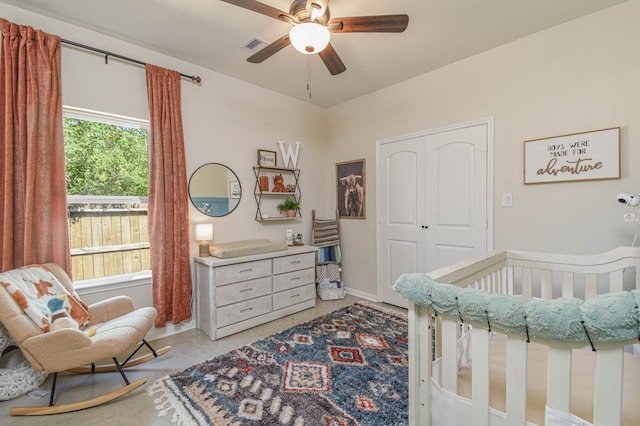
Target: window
(107,187)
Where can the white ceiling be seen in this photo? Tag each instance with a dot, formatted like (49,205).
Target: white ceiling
(210,33)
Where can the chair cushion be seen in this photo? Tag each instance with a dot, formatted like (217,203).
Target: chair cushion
(33,287)
(112,339)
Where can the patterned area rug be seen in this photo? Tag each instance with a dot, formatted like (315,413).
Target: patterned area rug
(345,368)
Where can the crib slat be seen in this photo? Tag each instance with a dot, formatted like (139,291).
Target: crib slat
(559,379)
(516,381)
(567,284)
(590,286)
(480,377)
(637,269)
(546,284)
(449,355)
(607,404)
(509,272)
(526,283)
(420,369)
(616,278)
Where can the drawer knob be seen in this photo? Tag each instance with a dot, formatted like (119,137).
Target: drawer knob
(246,270)
(246,310)
(246,290)
(295,262)
(295,295)
(295,279)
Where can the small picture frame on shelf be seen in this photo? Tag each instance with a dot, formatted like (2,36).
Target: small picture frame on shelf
(266,158)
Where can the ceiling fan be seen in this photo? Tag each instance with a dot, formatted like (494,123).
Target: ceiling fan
(312,24)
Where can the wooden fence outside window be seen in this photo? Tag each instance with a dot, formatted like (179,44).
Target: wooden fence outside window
(108,236)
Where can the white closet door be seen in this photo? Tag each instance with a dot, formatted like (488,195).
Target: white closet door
(432,195)
(402,244)
(456,194)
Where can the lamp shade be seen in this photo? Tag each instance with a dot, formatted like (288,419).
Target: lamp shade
(204,232)
(309,37)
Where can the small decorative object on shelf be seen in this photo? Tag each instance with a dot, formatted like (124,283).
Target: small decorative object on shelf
(289,207)
(278,185)
(289,155)
(264,182)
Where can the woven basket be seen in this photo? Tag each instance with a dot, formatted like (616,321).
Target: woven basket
(331,293)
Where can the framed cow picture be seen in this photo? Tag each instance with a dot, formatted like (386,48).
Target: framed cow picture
(351,189)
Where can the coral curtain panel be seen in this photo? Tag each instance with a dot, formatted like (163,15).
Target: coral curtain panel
(168,199)
(33,217)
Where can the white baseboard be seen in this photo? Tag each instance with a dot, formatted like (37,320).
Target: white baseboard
(170,329)
(361,294)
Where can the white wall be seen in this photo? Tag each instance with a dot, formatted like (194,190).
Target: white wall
(225,121)
(580,76)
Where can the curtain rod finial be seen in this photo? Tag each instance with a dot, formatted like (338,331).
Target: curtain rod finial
(196,79)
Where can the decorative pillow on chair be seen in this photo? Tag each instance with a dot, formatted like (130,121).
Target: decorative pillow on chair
(33,286)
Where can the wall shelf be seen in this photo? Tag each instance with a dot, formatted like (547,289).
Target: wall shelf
(275,219)
(276,193)
(260,196)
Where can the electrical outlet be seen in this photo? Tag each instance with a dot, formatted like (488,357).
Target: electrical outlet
(507,199)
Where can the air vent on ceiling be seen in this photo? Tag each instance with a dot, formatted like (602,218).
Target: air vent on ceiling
(254,43)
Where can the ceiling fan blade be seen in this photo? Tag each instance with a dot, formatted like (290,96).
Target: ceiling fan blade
(258,7)
(270,50)
(331,59)
(370,24)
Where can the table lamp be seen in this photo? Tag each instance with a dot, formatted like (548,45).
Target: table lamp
(204,234)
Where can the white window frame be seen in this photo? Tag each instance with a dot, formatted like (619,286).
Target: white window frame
(112,282)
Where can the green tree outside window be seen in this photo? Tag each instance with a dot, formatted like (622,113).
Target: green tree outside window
(105,159)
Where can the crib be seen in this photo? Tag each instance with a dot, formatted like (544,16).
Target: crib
(465,369)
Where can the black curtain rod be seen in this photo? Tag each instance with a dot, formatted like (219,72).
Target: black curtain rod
(193,78)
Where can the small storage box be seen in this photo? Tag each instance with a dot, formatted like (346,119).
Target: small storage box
(331,293)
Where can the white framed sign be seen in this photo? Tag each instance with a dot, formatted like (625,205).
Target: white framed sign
(234,189)
(593,155)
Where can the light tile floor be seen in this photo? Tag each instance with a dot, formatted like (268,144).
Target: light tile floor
(137,408)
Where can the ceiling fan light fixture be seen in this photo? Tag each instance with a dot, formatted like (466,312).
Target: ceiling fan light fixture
(309,37)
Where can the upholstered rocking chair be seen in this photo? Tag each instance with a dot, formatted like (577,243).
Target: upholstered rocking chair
(108,330)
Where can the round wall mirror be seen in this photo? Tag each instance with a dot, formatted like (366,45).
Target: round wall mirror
(215,189)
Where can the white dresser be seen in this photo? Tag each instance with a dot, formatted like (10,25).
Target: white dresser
(242,292)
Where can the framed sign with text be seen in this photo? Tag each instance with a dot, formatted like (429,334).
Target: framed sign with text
(267,158)
(591,155)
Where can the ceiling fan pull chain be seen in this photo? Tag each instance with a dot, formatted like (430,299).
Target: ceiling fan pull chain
(308,78)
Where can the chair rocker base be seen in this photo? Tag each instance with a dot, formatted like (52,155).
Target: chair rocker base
(117,366)
(66,408)
(126,364)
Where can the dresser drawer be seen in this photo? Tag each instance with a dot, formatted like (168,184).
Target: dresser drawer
(293,279)
(293,296)
(293,263)
(242,272)
(241,311)
(244,290)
